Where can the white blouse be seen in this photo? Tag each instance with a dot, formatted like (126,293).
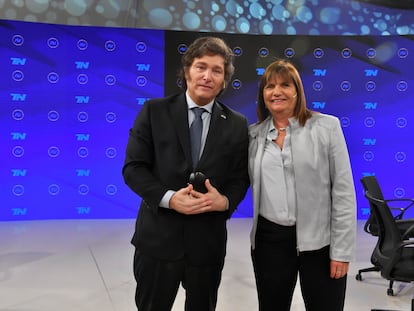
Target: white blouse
(278,199)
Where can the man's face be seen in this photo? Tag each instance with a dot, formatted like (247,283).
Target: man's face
(205,78)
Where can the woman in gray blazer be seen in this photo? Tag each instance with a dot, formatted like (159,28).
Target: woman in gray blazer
(304,198)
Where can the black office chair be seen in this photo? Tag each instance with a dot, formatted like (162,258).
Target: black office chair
(394,251)
(371,183)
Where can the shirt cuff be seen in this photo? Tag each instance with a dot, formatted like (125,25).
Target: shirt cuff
(227,203)
(165,201)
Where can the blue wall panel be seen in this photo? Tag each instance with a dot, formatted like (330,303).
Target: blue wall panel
(68,98)
(69,94)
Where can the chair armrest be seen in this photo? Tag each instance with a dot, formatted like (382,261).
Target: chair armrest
(402,210)
(409,201)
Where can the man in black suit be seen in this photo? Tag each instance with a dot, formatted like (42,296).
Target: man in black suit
(180,235)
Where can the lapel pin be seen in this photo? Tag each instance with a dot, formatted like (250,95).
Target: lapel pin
(223,116)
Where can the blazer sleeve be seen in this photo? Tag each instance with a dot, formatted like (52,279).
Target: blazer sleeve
(343,222)
(139,160)
(238,182)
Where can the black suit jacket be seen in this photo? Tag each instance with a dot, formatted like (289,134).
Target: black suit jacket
(158,158)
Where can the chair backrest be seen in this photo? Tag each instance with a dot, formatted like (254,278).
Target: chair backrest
(388,232)
(371,183)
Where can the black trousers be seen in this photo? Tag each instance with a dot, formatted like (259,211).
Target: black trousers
(277,265)
(158,282)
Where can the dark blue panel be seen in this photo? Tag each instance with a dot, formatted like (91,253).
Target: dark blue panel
(366,81)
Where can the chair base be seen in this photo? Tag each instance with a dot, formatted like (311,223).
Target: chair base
(358,277)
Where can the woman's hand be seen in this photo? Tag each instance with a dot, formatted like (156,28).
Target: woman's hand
(339,269)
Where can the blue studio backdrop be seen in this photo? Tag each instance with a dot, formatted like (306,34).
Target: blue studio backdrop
(69,94)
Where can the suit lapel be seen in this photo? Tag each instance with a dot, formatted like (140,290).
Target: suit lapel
(179,114)
(215,131)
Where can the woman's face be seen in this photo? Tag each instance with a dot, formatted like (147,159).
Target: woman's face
(280,96)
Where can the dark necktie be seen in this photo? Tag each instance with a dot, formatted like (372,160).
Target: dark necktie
(196,130)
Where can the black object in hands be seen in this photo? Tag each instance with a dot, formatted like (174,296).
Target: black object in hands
(198,179)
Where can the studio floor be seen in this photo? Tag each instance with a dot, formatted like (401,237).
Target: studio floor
(86,265)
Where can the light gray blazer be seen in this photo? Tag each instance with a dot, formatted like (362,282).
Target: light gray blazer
(325,193)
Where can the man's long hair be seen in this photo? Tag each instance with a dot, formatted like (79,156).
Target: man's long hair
(207,46)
